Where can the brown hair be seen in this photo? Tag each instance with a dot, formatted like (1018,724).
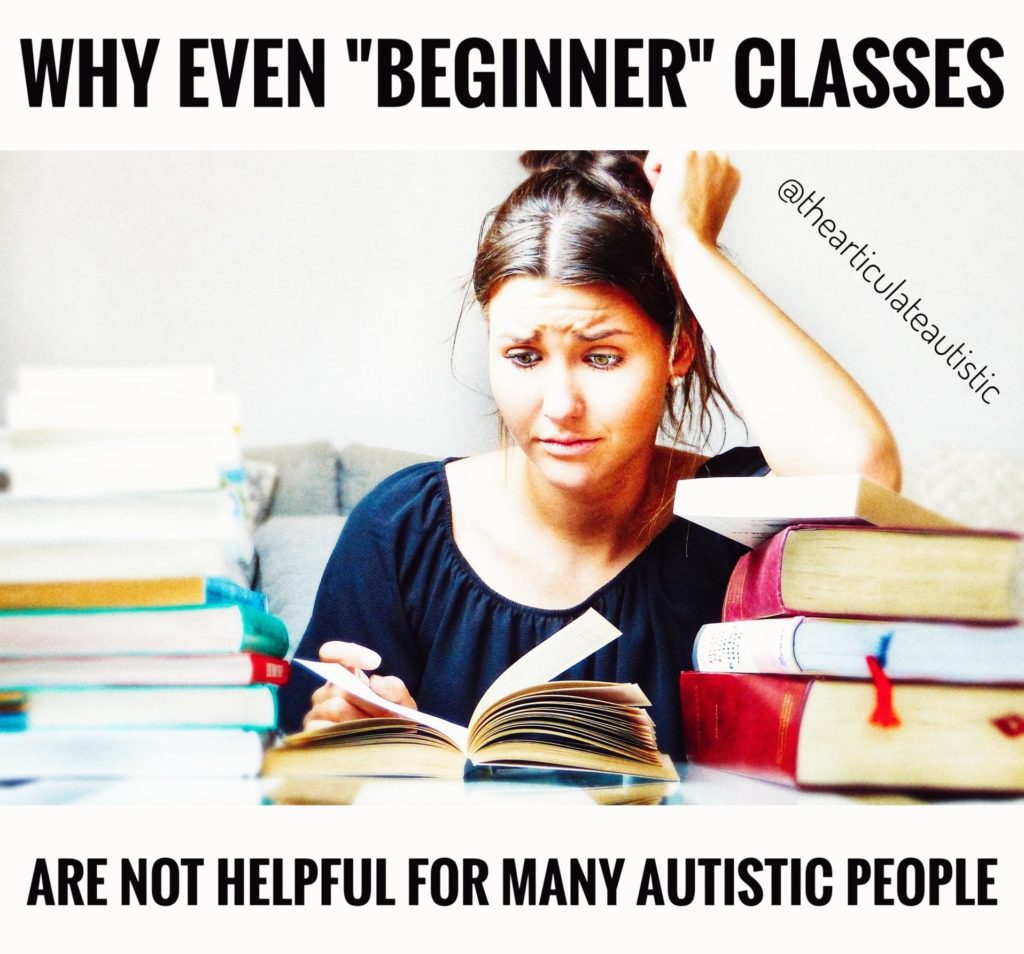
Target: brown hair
(584,218)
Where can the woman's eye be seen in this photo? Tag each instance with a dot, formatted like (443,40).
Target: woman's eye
(523,359)
(604,360)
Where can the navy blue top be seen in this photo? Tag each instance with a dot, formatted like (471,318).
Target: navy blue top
(397,582)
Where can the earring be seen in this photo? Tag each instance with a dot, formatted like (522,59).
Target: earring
(675,380)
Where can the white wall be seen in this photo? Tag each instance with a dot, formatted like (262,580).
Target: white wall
(325,286)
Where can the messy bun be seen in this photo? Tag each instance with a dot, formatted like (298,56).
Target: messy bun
(622,168)
(583,218)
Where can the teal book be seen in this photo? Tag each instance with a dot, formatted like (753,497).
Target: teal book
(220,590)
(225,628)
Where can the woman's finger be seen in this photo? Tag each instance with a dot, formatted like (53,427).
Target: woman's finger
(350,655)
(330,712)
(341,708)
(652,166)
(325,692)
(393,689)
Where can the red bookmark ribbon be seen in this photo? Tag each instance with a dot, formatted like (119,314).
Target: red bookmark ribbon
(884,714)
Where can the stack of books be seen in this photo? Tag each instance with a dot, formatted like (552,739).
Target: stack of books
(866,642)
(130,645)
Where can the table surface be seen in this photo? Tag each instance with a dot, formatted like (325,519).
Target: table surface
(696,786)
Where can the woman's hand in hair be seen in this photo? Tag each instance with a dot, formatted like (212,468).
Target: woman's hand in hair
(331,704)
(806,412)
(693,192)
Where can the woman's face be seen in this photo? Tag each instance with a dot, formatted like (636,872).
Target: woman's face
(579,376)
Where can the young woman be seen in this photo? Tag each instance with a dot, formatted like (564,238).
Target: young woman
(448,572)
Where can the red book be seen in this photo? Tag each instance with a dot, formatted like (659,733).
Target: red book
(209,669)
(864,572)
(817,732)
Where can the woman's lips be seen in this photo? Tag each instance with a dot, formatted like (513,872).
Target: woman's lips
(568,446)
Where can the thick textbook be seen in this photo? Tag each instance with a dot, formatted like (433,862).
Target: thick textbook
(135,707)
(227,628)
(817,732)
(869,572)
(50,560)
(72,464)
(207,669)
(127,593)
(212,514)
(752,509)
(520,720)
(33,412)
(132,753)
(943,652)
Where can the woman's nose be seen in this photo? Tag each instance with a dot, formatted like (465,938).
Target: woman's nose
(562,396)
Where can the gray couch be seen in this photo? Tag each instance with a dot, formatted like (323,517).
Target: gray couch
(316,487)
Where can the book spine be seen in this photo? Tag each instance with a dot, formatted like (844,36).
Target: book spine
(755,586)
(267,669)
(763,645)
(107,594)
(748,724)
(263,633)
(219,590)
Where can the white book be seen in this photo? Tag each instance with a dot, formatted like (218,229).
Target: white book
(138,707)
(752,509)
(943,652)
(132,753)
(204,669)
(38,562)
(72,465)
(135,382)
(134,413)
(213,514)
(58,634)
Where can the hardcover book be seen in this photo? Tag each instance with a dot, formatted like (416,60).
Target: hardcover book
(817,732)
(943,652)
(227,628)
(52,560)
(872,572)
(133,707)
(127,593)
(207,669)
(213,514)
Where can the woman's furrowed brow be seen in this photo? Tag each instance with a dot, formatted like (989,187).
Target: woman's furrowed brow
(601,334)
(520,340)
(589,336)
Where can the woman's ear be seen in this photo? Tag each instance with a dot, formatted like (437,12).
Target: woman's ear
(682,356)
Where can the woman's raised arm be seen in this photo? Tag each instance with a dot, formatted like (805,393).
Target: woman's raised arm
(806,412)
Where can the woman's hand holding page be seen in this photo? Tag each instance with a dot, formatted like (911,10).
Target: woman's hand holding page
(331,703)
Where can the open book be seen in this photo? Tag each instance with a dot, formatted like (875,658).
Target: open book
(522,719)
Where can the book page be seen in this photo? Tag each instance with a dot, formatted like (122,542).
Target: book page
(581,638)
(345,679)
